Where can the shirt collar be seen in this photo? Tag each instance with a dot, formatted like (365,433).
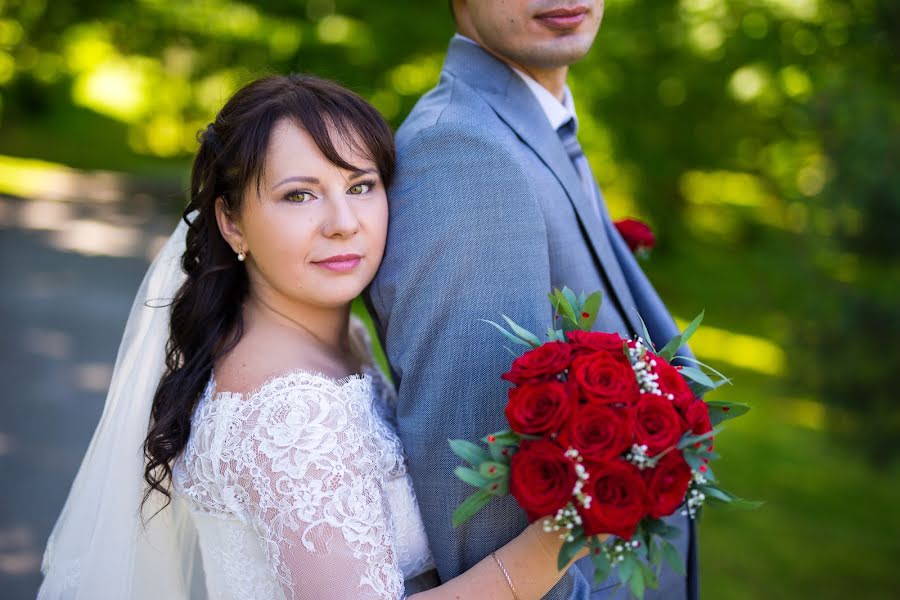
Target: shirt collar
(557,113)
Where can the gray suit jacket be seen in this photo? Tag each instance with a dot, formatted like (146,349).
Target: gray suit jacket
(487,216)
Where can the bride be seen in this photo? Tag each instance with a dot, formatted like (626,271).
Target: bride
(246,449)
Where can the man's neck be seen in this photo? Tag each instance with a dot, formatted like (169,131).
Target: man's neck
(553,80)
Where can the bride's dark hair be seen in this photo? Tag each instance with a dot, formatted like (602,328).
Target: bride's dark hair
(206,319)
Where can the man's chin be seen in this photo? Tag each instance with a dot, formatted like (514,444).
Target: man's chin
(556,54)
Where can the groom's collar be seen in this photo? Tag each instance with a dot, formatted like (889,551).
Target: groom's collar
(557,113)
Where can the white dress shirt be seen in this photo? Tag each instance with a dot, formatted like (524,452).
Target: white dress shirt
(558,113)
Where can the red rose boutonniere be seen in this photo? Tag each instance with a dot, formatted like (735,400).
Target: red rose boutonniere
(637,235)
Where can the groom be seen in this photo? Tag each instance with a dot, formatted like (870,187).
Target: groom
(494,205)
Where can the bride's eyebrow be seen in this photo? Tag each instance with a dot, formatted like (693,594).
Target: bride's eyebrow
(361,172)
(297,178)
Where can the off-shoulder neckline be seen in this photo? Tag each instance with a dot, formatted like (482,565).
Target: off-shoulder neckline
(335,383)
(358,331)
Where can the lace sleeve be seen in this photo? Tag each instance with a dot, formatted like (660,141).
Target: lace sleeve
(308,480)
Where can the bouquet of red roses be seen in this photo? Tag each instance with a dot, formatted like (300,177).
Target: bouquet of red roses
(605,436)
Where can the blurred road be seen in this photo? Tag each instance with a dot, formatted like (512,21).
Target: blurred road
(70,267)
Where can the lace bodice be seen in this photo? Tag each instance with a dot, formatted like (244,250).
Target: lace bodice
(300,490)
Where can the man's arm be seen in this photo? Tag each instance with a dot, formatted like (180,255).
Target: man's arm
(467,241)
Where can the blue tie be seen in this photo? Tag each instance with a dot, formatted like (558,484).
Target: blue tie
(567,134)
(610,270)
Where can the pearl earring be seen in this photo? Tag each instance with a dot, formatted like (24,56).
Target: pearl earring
(241,256)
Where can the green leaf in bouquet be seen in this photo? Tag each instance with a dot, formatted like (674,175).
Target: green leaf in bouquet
(694,460)
(602,568)
(698,389)
(499,453)
(695,374)
(627,569)
(692,328)
(469,452)
(719,497)
(471,476)
(493,470)
(723,380)
(522,332)
(470,506)
(498,487)
(506,437)
(650,578)
(654,553)
(654,526)
(744,504)
(647,340)
(714,492)
(668,351)
(555,335)
(722,411)
(562,306)
(570,548)
(689,440)
(698,461)
(510,336)
(570,297)
(672,558)
(703,452)
(668,532)
(591,308)
(636,584)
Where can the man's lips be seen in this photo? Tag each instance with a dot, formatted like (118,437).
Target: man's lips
(340,262)
(563,18)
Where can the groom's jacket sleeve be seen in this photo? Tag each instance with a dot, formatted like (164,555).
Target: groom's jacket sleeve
(466,242)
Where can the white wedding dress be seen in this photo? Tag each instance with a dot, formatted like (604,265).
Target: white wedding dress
(300,490)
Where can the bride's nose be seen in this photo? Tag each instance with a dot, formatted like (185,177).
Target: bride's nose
(341,219)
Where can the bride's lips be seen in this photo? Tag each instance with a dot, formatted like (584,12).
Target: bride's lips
(341,263)
(563,19)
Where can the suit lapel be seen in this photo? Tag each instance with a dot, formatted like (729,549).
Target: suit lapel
(519,109)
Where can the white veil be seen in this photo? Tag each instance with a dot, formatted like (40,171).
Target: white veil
(99,548)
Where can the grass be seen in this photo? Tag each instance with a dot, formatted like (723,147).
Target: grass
(830,526)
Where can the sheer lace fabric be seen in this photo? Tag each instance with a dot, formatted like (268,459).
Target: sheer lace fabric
(299,490)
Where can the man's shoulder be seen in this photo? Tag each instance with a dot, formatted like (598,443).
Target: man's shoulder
(452,109)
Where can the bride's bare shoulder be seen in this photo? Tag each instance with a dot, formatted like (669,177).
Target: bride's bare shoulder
(259,357)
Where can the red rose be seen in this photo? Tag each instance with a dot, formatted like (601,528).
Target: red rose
(587,342)
(697,417)
(618,499)
(636,234)
(605,378)
(598,432)
(672,382)
(543,363)
(667,483)
(656,423)
(541,478)
(539,408)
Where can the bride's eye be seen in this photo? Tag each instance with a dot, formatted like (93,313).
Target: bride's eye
(361,188)
(298,197)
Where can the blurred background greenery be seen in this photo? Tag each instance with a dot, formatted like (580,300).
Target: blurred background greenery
(759,138)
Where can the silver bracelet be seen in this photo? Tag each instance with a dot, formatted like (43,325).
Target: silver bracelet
(506,574)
